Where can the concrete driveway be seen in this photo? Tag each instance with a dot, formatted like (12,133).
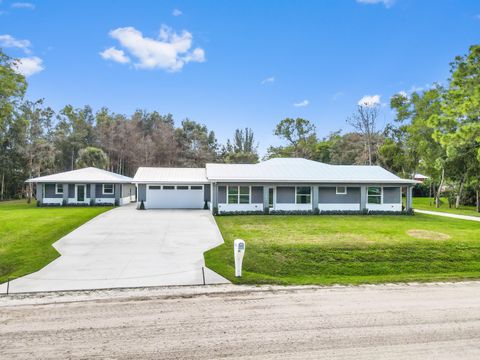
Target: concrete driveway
(126,247)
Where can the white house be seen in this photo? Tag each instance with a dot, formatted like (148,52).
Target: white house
(281,184)
(88,186)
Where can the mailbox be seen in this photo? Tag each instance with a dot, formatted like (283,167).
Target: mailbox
(238,252)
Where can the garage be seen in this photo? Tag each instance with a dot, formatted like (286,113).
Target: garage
(172,188)
(175,196)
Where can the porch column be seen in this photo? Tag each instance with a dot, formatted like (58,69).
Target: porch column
(265,198)
(65,194)
(39,192)
(118,190)
(409,198)
(93,188)
(363,197)
(315,198)
(214,196)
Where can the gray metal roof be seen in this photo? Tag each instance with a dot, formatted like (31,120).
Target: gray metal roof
(85,175)
(170,175)
(301,171)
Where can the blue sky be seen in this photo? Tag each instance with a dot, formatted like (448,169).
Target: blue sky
(231,64)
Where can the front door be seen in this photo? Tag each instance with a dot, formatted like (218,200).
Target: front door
(271,198)
(80,193)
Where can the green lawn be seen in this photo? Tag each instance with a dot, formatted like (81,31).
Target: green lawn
(27,233)
(348,249)
(429,204)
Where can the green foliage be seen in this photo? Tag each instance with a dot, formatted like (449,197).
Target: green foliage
(300,136)
(244,149)
(92,157)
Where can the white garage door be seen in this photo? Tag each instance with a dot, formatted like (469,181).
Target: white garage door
(175,197)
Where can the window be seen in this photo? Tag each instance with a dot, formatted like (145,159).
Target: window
(154,187)
(244,195)
(303,194)
(375,195)
(238,195)
(58,189)
(196,187)
(232,197)
(168,187)
(341,190)
(270,197)
(182,187)
(107,188)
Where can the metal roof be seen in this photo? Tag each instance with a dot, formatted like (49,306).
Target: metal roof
(301,171)
(170,175)
(85,175)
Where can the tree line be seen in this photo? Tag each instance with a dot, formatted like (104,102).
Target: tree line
(435,132)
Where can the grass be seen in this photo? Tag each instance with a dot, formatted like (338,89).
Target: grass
(348,249)
(27,234)
(429,204)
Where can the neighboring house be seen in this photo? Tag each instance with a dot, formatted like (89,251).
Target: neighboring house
(88,186)
(281,184)
(420,178)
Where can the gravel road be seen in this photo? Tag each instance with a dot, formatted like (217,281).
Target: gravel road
(414,321)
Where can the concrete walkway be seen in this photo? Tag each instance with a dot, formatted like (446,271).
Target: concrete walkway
(449,215)
(125,247)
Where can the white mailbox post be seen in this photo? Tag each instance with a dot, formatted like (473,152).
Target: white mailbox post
(238,252)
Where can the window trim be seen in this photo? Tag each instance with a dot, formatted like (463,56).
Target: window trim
(381,195)
(56,189)
(182,187)
(238,194)
(296,195)
(341,193)
(108,193)
(154,187)
(168,187)
(196,187)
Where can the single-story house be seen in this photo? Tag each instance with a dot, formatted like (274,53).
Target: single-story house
(88,186)
(281,184)
(420,177)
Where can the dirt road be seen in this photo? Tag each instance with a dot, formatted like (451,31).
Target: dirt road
(436,321)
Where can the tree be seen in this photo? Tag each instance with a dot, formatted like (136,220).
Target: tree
(73,132)
(243,150)
(458,126)
(38,150)
(300,136)
(12,89)
(364,121)
(418,150)
(196,143)
(92,157)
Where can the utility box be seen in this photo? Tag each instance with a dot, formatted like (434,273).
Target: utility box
(238,252)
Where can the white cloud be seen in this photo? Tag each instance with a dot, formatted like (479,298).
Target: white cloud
(23,5)
(386,3)
(337,95)
(369,100)
(177,12)
(301,103)
(115,55)
(29,65)
(171,51)
(9,41)
(268,80)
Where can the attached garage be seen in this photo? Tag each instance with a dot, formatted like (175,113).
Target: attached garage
(175,196)
(172,188)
